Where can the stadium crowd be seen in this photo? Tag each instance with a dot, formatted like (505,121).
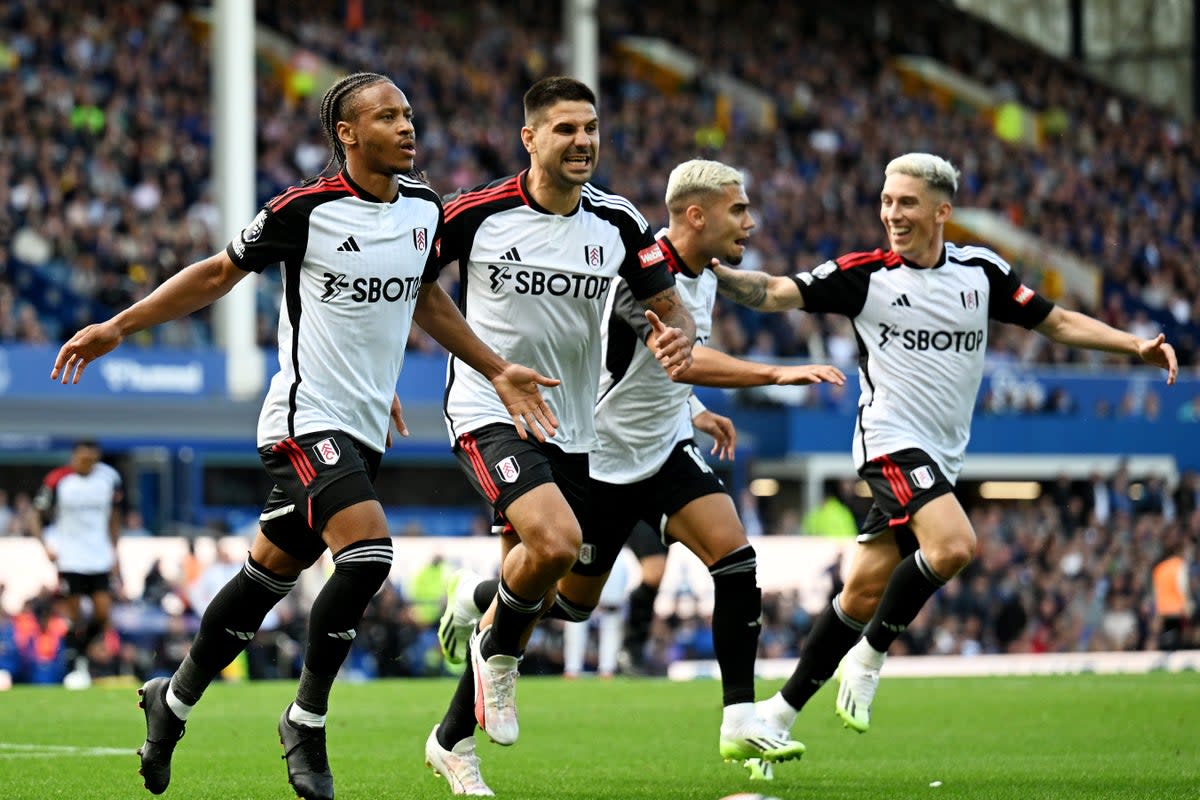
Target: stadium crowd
(1070,572)
(108,145)
(106,152)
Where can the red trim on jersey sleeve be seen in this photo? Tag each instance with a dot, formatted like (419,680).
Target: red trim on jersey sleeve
(851,260)
(510,188)
(323,185)
(668,252)
(57,475)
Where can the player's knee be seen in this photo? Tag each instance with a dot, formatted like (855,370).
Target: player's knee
(555,547)
(950,557)
(860,601)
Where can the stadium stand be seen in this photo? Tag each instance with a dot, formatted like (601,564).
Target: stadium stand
(105,156)
(134,161)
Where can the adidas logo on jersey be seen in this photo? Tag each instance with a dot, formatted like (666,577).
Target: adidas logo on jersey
(349,246)
(902,300)
(511,255)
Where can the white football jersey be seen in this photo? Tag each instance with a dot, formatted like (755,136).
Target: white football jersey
(921,336)
(533,286)
(352,269)
(82,508)
(641,414)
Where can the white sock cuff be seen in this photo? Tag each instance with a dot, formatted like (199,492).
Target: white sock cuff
(301,717)
(177,706)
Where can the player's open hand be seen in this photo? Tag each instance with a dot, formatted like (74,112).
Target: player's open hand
(1158,353)
(84,348)
(672,347)
(397,417)
(805,374)
(722,431)
(517,387)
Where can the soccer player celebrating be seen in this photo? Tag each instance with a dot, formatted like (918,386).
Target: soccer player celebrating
(648,468)
(357,252)
(538,253)
(84,500)
(921,312)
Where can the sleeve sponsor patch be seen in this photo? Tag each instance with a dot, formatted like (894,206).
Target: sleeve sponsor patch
(825,270)
(650,256)
(1023,295)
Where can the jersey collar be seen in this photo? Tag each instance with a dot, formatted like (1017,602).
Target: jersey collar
(675,261)
(361,193)
(940,263)
(527,196)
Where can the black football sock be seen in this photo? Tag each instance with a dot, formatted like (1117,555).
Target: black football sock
(514,614)
(228,625)
(639,619)
(912,583)
(459,721)
(736,623)
(359,569)
(831,637)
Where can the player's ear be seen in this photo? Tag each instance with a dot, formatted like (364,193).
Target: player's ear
(944,210)
(346,133)
(527,139)
(695,216)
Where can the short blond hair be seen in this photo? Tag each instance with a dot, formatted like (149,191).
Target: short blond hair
(937,172)
(698,177)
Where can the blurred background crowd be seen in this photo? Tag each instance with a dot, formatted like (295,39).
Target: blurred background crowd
(1073,572)
(105,190)
(104,167)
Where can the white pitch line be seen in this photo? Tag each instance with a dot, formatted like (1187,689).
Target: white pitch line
(22,750)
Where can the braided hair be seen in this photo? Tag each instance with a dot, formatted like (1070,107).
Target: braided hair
(338,100)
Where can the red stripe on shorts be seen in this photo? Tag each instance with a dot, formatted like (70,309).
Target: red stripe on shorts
(471,448)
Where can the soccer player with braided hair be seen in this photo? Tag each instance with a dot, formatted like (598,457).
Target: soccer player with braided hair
(356,249)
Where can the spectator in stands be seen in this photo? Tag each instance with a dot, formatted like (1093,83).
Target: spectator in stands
(833,518)
(6,513)
(1173,601)
(917,537)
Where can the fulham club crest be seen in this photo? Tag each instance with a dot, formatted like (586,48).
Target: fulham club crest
(420,239)
(327,451)
(508,469)
(593,254)
(922,477)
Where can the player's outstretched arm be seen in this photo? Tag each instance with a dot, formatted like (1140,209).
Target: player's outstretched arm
(711,367)
(757,289)
(516,385)
(191,289)
(1079,330)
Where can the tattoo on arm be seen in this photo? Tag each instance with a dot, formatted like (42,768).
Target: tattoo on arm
(670,309)
(744,288)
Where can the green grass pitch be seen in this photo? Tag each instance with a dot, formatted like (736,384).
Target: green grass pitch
(1076,737)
